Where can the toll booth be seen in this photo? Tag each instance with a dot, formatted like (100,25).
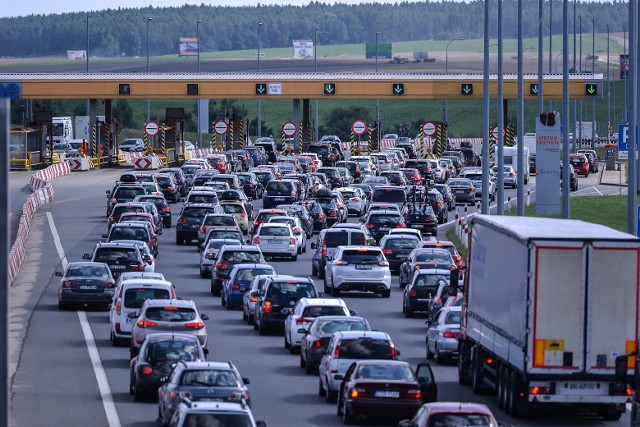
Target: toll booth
(27,148)
(169,147)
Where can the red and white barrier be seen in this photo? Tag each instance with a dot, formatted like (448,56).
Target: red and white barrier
(387,143)
(131,155)
(79,164)
(43,177)
(147,163)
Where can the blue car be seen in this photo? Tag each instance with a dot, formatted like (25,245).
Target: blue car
(258,155)
(239,282)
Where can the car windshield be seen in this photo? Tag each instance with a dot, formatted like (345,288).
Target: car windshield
(293,290)
(116,254)
(135,297)
(362,256)
(448,420)
(248,274)
(88,271)
(218,220)
(389,195)
(385,372)
(173,350)
(241,256)
(170,314)
(128,193)
(128,233)
(332,326)
(209,378)
(365,348)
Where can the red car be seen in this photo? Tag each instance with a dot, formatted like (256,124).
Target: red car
(580,164)
(219,163)
(445,244)
(413,175)
(451,414)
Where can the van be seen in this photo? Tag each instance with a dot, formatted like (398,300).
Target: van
(328,242)
(132,294)
(510,156)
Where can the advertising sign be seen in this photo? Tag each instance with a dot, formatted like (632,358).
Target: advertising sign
(303,48)
(548,148)
(76,55)
(188,46)
(384,51)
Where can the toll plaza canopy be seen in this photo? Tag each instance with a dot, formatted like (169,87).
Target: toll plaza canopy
(295,86)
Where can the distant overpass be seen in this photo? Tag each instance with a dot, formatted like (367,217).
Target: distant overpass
(294,86)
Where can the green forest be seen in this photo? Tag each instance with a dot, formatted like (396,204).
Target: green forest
(122,32)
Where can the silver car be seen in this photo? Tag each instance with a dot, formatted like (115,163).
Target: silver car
(355,198)
(251,297)
(509,175)
(210,253)
(442,334)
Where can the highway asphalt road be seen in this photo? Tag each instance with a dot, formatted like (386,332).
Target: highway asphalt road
(55,383)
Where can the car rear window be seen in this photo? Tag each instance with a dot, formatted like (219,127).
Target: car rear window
(333,240)
(119,210)
(339,325)
(238,419)
(209,378)
(135,297)
(433,257)
(129,233)
(233,209)
(219,220)
(442,419)
(195,212)
(280,187)
(386,372)
(365,348)
(323,311)
(226,234)
(88,271)
(452,319)
(116,254)
(405,243)
(248,274)
(389,195)
(362,256)
(318,149)
(173,350)
(170,314)
(241,256)
(128,193)
(275,231)
(292,290)
(385,219)
(229,180)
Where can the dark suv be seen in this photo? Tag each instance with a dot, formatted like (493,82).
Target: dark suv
(190,220)
(438,204)
(379,222)
(325,153)
(228,256)
(123,194)
(161,205)
(168,185)
(421,217)
(119,256)
(279,192)
(178,175)
(270,148)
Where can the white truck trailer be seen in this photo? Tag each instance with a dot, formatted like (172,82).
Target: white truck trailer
(549,306)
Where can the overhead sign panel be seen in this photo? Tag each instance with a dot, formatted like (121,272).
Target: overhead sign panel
(329,88)
(188,46)
(533,88)
(398,89)
(275,89)
(466,88)
(261,88)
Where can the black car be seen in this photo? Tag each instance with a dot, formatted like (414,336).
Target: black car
(161,205)
(270,148)
(423,166)
(425,258)
(438,204)
(85,283)
(395,177)
(379,222)
(408,148)
(123,193)
(333,176)
(299,211)
(264,175)
(246,161)
(228,256)
(532,164)
(252,187)
(354,169)
(420,216)
(423,288)
(168,186)
(202,176)
(331,211)
(190,220)
(396,248)
(120,208)
(156,359)
(178,175)
(120,257)
(325,153)
(280,191)
(447,195)
(317,214)
(306,183)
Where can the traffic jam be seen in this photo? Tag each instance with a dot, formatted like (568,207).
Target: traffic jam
(367,220)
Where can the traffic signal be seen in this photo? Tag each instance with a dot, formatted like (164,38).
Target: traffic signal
(591,89)
(398,89)
(261,88)
(329,88)
(466,89)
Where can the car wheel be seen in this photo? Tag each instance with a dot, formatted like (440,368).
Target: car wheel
(303,364)
(286,343)
(304,248)
(438,358)
(179,241)
(331,396)
(255,323)
(250,319)
(294,258)
(61,306)
(166,225)
(309,369)
(299,249)
(203,274)
(131,389)
(321,390)
(262,330)
(137,394)
(321,273)
(347,416)
(314,270)
(386,293)
(335,292)
(429,353)
(406,311)
(223,301)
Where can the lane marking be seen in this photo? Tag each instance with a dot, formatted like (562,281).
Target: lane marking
(101,377)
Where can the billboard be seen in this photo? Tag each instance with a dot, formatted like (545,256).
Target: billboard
(188,46)
(74,55)
(548,147)
(624,66)
(384,51)
(303,48)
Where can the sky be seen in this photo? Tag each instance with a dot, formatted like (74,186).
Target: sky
(23,8)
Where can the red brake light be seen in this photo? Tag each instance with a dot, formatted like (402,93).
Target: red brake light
(302,320)
(182,220)
(387,251)
(413,293)
(66,284)
(368,225)
(292,241)
(332,214)
(221,264)
(203,229)
(414,394)
(267,307)
(401,226)
(449,335)
(356,199)
(357,392)
(235,286)
(170,188)
(320,216)
(317,344)
(324,248)
(194,325)
(394,352)
(297,230)
(147,370)
(146,324)
(137,267)
(539,390)
(336,352)
(256,240)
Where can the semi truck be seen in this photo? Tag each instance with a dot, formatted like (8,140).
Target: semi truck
(66,129)
(550,306)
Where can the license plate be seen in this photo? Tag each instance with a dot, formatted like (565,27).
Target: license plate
(118,267)
(88,287)
(416,226)
(402,256)
(385,228)
(459,191)
(278,198)
(363,267)
(211,399)
(385,393)
(582,386)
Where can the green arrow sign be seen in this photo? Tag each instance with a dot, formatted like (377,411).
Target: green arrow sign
(533,89)
(261,88)
(591,89)
(329,88)
(398,88)
(466,89)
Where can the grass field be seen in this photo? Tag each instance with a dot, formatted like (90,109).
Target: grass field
(606,210)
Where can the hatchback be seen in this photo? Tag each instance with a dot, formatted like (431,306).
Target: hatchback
(190,221)
(276,240)
(396,248)
(380,222)
(227,258)
(239,283)
(420,217)
(358,268)
(423,290)
(442,334)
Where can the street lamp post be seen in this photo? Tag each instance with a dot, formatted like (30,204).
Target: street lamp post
(593,72)
(446,71)
(259,103)
(608,87)
(315,64)
(87,60)
(198,101)
(148,70)
(377,100)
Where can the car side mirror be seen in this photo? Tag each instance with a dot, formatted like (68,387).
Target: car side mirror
(133,315)
(204,317)
(353,312)
(246,380)
(313,245)
(59,273)
(108,192)
(261,424)
(407,423)
(86,256)
(338,377)
(104,236)
(303,331)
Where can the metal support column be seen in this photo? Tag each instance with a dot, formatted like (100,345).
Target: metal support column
(5,114)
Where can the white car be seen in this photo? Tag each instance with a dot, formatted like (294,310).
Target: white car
(385,163)
(314,158)
(406,231)
(276,240)
(304,312)
(296,226)
(358,268)
(355,199)
(202,162)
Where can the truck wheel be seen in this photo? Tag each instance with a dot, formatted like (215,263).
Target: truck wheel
(463,366)
(476,375)
(501,386)
(517,407)
(614,415)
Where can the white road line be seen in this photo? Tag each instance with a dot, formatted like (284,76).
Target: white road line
(98,369)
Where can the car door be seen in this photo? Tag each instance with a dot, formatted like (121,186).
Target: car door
(325,363)
(428,386)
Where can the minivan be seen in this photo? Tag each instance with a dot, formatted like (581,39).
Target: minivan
(328,241)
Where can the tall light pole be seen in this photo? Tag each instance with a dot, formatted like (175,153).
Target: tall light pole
(566,207)
(593,72)
(500,156)
(555,61)
(148,70)
(446,71)
(377,100)
(608,87)
(540,97)
(87,59)
(520,117)
(485,111)
(315,64)
(550,44)
(198,101)
(259,103)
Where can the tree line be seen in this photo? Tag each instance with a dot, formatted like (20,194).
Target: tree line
(123,32)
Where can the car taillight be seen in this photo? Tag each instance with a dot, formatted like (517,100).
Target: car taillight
(108,283)
(235,287)
(383,263)
(66,284)
(118,309)
(412,293)
(137,267)
(318,344)
(332,214)
(355,199)
(182,220)
(431,217)
(512,174)
(358,392)
(111,218)
(539,390)
(242,215)
(194,325)
(297,230)
(170,189)
(146,324)
(292,241)
(387,251)
(166,209)
(238,395)
(394,352)
(222,265)
(266,308)
(302,320)
(401,226)
(438,204)
(154,241)
(251,185)
(320,216)
(449,335)
(414,394)
(114,200)
(341,262)
(369,225)
(203,229)
(147,370)
(149,261)
(324,248)
(210,255)
(253,299)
